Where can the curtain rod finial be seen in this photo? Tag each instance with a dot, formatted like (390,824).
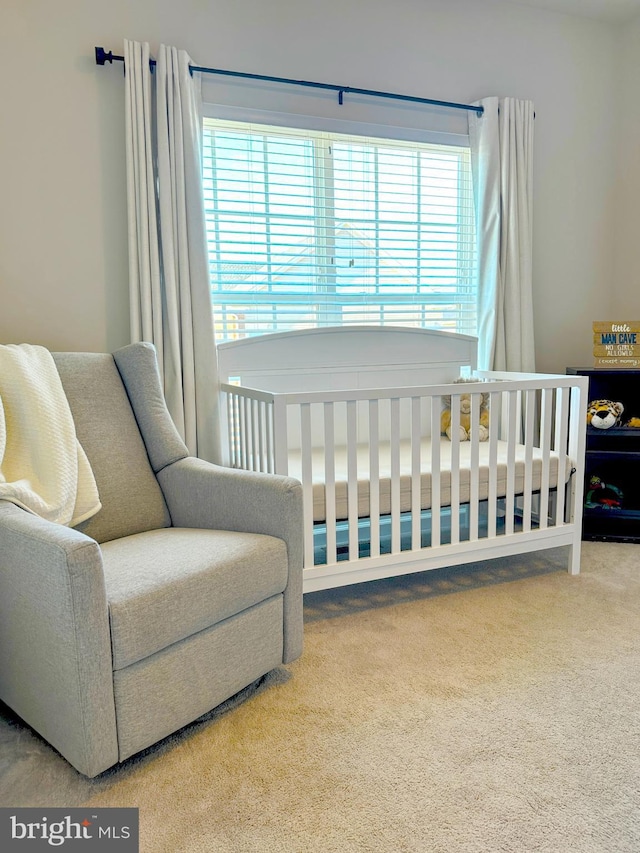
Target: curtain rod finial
(102,56)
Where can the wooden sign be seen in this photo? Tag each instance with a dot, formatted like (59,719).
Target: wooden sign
(616,344)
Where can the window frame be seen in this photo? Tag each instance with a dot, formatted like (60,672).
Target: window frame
(296,124)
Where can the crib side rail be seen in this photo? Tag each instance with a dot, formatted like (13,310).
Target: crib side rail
(252,419)
(499,381)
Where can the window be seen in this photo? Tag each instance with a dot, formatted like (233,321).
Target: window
(311,228)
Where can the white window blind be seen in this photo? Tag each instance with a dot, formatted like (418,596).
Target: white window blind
(310,228)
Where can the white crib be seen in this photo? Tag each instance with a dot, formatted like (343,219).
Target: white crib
(354,414)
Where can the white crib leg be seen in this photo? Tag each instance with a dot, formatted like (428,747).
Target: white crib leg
(574,558)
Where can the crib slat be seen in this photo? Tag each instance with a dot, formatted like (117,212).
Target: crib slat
(474,474)
(269,438)
(249,454)
(495,398)
(260,435)
(529,437)
(352,479)
(416,476)
(436,480)
(260,409)
(511,431)
(330,481)
(280,437)
(394,449)
(307,481)
(454,473)
(237,417)
(560,446)
(374,478)
(232,428)
(519,418)
(244,428)
(545,445)
(255,453)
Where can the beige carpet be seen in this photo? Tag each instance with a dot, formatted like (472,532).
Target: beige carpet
(494,707)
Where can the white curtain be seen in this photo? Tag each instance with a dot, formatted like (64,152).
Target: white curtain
(168,266)
(501,141)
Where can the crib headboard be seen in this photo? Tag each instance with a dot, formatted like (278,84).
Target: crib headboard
(346,357)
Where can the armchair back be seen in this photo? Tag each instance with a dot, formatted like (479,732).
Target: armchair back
(132,500)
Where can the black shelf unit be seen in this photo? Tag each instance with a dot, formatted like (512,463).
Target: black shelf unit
(612,465)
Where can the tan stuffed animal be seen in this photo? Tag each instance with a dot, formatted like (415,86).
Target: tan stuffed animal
(465,426)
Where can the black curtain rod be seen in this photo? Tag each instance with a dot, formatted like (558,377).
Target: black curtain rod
(103,56)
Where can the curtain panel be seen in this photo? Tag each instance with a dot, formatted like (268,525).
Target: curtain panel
(170,301)
(501,142)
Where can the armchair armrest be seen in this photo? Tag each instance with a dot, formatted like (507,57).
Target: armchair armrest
(55,648)
(201,494)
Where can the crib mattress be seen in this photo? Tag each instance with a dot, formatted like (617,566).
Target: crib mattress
(426,498)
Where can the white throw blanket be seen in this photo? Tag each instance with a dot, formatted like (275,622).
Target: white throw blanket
(43,468)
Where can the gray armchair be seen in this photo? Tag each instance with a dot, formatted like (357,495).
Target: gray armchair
(184,588)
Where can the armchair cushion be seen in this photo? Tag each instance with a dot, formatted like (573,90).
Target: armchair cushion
(165,585)
(131,498)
